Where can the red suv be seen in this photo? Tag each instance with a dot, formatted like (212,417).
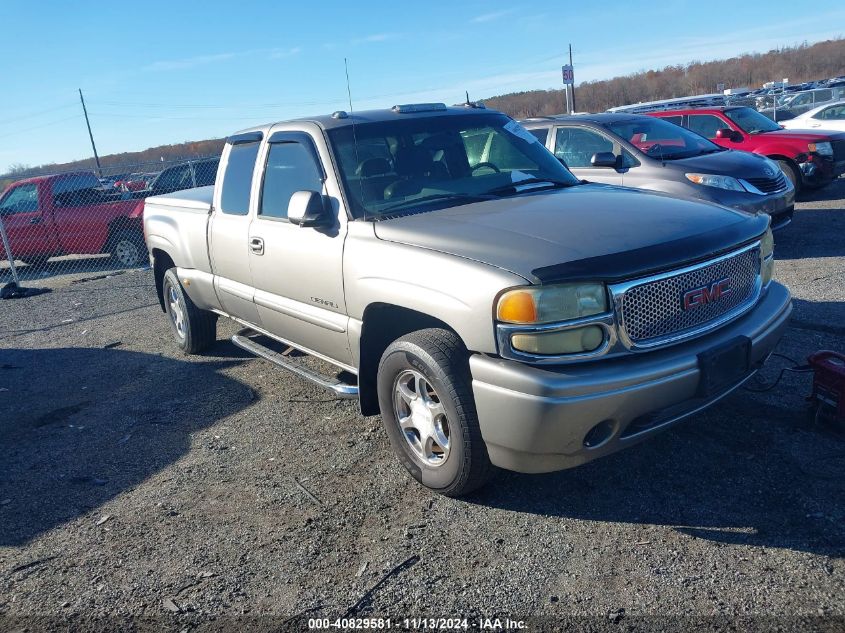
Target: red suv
(808,158)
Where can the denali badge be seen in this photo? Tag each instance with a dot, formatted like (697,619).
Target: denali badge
(706,294)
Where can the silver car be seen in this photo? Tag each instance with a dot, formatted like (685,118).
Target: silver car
(647,153)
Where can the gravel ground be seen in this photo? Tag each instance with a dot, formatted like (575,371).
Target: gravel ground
(139,487)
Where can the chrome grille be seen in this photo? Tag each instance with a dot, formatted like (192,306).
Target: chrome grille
(769,185)
(652,311)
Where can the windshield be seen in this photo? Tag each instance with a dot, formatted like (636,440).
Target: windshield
(661,139)
(750,121)
(415,164)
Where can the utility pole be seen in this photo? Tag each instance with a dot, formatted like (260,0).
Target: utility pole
(90,134)
(573,84)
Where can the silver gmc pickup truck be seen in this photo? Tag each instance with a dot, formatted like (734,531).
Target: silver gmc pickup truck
(491,307)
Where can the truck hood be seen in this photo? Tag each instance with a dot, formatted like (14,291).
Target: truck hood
(729,162)
(597,232)
(802,135)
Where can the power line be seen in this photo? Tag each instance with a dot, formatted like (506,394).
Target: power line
(35,127)
(39,113)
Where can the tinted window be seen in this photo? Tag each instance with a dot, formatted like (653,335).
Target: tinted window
(439,161)
(576,146)
(750,121)
(174,178)
(237,179)
(833,113)
(677,120)
(705,124)
(290,168)
(541,133)
(206,172)
(22,199)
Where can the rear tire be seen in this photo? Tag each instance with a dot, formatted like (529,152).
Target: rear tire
(127,249)
(195,330)
(428,411)
(792,173)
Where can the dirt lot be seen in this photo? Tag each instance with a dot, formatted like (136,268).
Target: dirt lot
(141,486)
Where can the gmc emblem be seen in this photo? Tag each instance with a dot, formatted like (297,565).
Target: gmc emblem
(706,294)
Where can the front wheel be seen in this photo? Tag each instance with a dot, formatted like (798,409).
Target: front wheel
(792,173)
(195,330)
(428,410)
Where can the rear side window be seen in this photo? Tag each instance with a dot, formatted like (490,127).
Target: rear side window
(237,179)
(677,120)
(290,168)
(541,133)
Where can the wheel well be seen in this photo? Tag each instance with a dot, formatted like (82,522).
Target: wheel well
(383,323)
(162,263)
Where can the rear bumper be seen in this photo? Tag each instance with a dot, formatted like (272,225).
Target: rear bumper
(536,419)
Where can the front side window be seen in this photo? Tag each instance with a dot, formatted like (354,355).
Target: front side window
(576,146)
(237,179)
(750,121)
(290,168)
(660,139)
(423,163)
(21,199)
(705,124)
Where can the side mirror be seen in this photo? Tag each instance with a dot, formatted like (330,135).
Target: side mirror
(731,135)
(308,208)
(606,159)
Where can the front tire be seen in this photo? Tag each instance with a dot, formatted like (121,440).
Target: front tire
(428,410)
(792,173)
(195,330)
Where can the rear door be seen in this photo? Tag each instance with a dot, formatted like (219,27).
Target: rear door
(26,223)
(298,271)
(576,145)
(229,228)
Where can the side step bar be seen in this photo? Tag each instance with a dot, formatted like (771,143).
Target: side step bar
(338,387)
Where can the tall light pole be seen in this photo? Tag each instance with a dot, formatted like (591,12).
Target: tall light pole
(90,134)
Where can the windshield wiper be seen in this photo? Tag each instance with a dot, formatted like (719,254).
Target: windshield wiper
(512,187)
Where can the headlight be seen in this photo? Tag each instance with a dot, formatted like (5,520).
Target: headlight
(713,180)
(549,304)
(823,149)
(767,259)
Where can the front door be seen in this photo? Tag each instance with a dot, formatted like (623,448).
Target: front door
(229,246)
(298,275)
(577,145)
(26,226)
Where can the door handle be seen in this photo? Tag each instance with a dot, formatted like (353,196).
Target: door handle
(256,245)
(35,220)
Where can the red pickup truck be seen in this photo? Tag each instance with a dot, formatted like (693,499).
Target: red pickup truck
(48,216)
(809,158)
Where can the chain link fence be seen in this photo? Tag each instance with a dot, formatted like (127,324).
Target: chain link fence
(84,222)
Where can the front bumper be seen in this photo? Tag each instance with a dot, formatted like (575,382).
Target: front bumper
(780,206)
(818,170)
(536,419)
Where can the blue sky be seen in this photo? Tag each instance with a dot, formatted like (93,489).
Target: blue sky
(162,72)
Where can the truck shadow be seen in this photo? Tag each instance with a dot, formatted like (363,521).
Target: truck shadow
(746,472)
(80,426)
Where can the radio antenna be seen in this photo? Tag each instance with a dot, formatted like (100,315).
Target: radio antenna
(354,135)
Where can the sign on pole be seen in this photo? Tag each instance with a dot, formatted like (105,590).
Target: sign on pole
(568,75)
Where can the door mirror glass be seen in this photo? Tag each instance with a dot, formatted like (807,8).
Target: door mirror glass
(308,208)
(729,134)
(606,159)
